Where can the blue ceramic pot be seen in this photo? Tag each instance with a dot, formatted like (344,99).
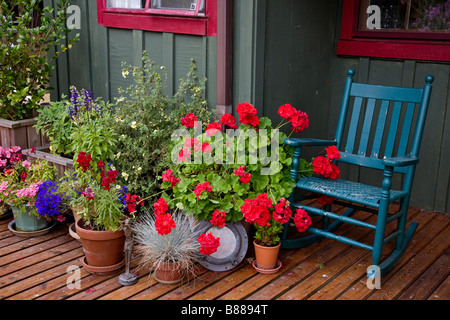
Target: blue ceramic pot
(27,219)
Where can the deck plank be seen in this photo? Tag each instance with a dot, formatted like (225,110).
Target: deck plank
(36,268)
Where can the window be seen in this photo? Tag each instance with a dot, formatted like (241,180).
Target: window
(405,29)
(177,16)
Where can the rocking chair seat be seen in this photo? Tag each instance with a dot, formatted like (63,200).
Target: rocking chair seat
(351,191)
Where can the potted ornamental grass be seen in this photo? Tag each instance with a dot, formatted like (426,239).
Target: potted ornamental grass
(103,207)
(170,242)
(29,31)
(31,189)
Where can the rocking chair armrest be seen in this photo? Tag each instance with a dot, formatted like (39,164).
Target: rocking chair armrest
(308,142)
(401,161)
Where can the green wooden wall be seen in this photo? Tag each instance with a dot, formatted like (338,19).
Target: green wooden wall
(285,52)
(95,62)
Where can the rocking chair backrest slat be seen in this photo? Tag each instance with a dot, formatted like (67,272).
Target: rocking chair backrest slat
(380,129)
(380,122)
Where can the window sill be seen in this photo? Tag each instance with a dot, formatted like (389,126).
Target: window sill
(382,48)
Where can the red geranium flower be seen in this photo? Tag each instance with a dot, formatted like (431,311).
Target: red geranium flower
(218,218)
(282,212)
(205,186)
(228,120)
(324,200)
(247,114)
(167,176)
(213,128)
(333,153)
(189,121)
(286,111)
(208,243)
(302,220)
(164,224)
(257,210)
(299,120)
(161,206)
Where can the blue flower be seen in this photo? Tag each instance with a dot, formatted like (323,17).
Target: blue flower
(49,202)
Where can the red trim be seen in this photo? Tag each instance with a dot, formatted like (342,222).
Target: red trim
(352,42)
(173,21)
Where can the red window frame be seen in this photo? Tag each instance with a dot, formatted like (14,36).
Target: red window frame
(148,19)
(398,46)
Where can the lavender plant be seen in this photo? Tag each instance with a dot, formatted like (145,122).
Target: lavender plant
(80,123)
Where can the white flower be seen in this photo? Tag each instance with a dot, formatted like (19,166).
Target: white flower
(117,187)
(125,73)
(139,169)
(125,175)
(134,125)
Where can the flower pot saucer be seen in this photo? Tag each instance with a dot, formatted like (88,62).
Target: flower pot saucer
(267,271)
(29,234)
(73,232)
(104,270)
(168,282)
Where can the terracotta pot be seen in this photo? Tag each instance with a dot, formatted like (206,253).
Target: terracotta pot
(101,248)
(169,273)
(266,257)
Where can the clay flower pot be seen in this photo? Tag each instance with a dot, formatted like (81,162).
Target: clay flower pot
(169,273)
(103,249)
(266,258)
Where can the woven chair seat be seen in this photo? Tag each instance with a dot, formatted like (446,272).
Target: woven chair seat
(347,190)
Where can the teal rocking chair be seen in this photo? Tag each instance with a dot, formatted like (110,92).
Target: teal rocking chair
(390,145)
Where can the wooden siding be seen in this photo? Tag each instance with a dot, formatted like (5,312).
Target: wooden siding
(292,59)
(95,62)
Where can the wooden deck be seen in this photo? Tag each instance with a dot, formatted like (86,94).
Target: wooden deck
(36,268)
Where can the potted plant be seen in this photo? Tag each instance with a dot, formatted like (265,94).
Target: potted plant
(81,123)
(31,191)
(29,31)
(170,242)
(269,219)
(103,207)
(217,171)
(8,156)
(145,118)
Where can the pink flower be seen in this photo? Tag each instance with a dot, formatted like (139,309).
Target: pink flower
(206,148)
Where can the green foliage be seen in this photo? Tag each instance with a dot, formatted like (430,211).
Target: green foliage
(228,191)
(28,32)
(145,119)
(79,124)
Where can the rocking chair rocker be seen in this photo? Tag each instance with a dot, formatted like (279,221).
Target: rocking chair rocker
(393,150)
